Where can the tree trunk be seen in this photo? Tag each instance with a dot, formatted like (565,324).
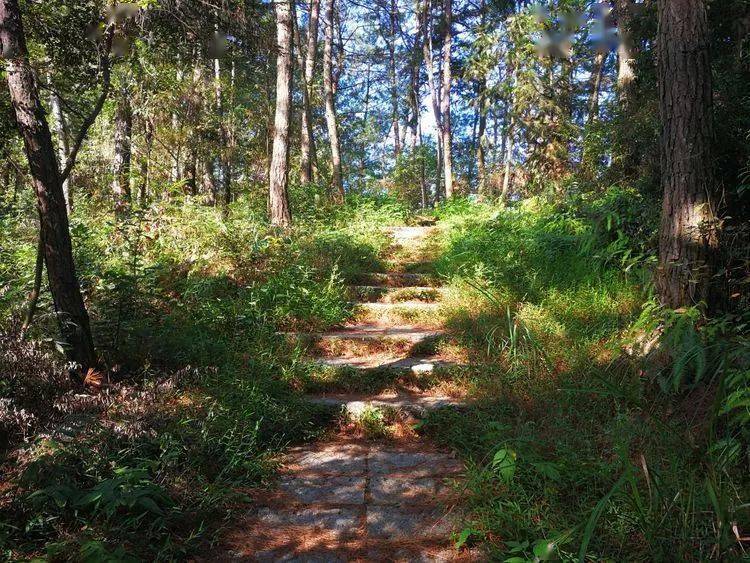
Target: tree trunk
(625,50)
(176,171)
(148,141)
(413,95)
(63,282)
(279,171)
(445,101)
(392,73)
(306,133)
(481,140)
(688,238)
(36,289)
(434,91)
(595,85)
(63,142)
(224,135)
(508,142)
(365,121)
(122,152)
(328,87)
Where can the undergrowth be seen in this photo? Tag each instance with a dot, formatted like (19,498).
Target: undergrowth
(147,460)
(604,427)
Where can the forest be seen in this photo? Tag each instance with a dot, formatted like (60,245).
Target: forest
(397,280)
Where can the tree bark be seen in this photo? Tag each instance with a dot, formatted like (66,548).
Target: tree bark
(688,237)
(66,293)
(279,171)
(63,142)
(625,50)
(595,85)
(148,142)
(36,289)
(413,95)
(392,74)
(224,135)
(508,143)
(330,102)
(434,91)
(307,149)
(481,140)
(122,151)
(445,110)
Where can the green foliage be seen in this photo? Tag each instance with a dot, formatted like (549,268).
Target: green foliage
(576,450)
(413,170)
(184,305)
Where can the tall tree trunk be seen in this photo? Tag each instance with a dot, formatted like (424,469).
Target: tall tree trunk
(176,172)
(434,91)
(148,143)
(63,142)
(595,86)
(328,87)
(365,121)
(413,94)
(481,140)
(625,50)
(306,133)
(123,151)
(225,168)
(63,282)
(508,142)
(279,170)
(445,110)
(392,73)
(422,176)
(688,238)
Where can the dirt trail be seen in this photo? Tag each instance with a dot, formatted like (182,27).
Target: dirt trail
(346,499)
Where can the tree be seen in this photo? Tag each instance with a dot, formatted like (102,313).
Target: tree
(47,180)
(63,138)
(330,103)
(434,90)
(390,39)
(625,49)
(306,132)
(688,238)
(279,170)
(122,149)
(445,102)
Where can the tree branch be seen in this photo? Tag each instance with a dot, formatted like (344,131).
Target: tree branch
(89,121)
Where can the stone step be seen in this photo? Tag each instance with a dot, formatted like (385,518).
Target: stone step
(411,403)
(398,279)
(386,294)
(366,339)
(417,365)
(375,332)
(409,235)
(402,305)
(407,312)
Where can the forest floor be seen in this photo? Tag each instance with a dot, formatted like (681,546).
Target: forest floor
(371,489)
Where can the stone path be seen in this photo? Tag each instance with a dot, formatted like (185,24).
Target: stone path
(357,500)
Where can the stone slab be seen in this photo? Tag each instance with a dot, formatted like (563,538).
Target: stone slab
(344,489)
(342,522)
(414,464)
(397,523)
(404,490)
(334,459)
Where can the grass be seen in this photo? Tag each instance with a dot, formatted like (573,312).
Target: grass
(578,445)
(596,460)
(148,463)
